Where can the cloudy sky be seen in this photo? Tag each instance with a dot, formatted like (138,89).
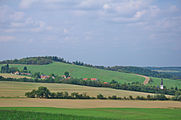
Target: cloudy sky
(99,32)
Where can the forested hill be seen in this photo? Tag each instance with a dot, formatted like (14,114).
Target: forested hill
(50,59)
(34,60)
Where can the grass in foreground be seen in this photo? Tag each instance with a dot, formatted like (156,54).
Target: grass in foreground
(91,114)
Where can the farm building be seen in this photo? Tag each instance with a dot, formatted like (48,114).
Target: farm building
(16,73)
(93,79)
(25,73)
(85,78)
(44,76)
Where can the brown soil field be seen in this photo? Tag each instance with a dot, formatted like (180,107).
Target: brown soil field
(18,89)
(67,103)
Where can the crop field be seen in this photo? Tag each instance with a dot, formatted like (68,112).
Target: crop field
(18,89)
(7,75)
(89,114)
(82,72)
(77,103)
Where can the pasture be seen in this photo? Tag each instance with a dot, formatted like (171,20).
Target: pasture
(76,71)
(166,82)
(90,114)
(18,89)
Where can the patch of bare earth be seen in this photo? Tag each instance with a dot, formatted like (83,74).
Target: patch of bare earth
(147,79)
(68,103)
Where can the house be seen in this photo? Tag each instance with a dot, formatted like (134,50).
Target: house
(85,78)
(161,85)
(16,73)
(105,82)
(63,76)
(25,73)
(44,77)
(94,79)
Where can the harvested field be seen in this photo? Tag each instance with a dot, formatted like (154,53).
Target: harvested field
(8,75)
(67,103)
(18,89)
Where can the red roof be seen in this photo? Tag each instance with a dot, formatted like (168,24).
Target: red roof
(93,78)
(85,78)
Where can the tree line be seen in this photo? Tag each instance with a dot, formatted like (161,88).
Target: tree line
(44,92)
(134,86)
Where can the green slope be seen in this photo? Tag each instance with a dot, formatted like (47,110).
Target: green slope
(167,82)
(110,113)
(76,71)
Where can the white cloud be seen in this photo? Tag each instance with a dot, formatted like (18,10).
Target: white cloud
(106,6)
(17,16)
(139,14)
(6,38)
(173,8)
(27,3)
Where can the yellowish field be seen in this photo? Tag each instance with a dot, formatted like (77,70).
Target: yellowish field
(68,103)
(7,75)
(18,89)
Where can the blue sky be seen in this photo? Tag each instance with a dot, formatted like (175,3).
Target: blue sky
(99,32)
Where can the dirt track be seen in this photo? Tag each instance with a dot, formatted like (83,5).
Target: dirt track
(67,103)
(147,79)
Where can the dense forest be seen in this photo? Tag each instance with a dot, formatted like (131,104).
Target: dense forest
(128,69)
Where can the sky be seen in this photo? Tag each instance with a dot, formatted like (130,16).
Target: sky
(98,32)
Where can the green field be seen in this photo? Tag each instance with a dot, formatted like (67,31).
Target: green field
(90,113)
(167,82)
(82,72)
(76,71)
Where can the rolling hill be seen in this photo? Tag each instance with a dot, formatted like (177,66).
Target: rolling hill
(76,71)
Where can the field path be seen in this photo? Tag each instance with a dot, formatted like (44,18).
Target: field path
(147,79)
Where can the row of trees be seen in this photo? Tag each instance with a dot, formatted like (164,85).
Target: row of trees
(44,92)
(134,86)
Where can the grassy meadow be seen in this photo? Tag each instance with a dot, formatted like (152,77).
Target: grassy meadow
(76,71)
(167,82)
(18,89)
(9,113)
